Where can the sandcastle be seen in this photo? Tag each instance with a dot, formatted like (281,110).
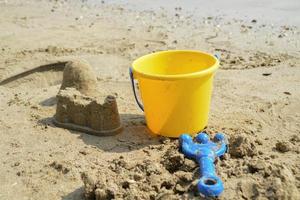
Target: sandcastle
(81,106)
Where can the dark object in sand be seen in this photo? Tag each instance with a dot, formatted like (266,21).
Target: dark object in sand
(81,107)
(266,74)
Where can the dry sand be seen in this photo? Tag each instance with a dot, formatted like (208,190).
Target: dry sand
(256,98)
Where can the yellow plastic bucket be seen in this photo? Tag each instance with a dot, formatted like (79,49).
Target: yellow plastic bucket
(175,88)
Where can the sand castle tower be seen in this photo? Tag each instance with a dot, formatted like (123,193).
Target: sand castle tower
(81,106)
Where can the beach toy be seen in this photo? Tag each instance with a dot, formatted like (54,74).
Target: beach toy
(175,88)
(205,152)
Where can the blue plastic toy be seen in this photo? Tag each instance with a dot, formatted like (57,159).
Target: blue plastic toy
(205,152)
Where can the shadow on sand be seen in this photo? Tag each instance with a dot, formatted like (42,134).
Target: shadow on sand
(75,195)
(135,135)
(49,102)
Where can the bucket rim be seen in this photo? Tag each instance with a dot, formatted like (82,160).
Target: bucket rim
(201,73)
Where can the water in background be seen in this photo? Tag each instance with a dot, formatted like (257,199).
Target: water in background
(268,11)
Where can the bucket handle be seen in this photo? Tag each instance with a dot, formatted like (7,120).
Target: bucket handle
(218,56)
(133,88)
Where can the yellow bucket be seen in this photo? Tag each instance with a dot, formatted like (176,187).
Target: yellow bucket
(175,88)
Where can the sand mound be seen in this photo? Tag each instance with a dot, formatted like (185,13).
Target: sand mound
(145,179)
(79,74)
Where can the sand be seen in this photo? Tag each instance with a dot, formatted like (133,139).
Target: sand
(256,98)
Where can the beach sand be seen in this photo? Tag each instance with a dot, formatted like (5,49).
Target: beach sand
(255,102)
